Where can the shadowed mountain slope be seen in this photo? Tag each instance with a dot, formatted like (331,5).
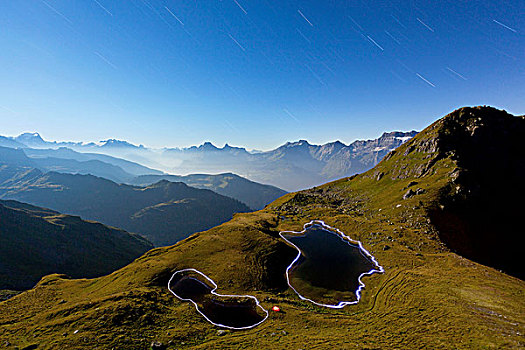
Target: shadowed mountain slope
(164,212)
(35,242)
(9,142)
(15,157)
(89,167)
(430,296)
(253,194)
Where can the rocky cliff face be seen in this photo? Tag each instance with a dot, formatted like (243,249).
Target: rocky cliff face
(477,213)
(480,211)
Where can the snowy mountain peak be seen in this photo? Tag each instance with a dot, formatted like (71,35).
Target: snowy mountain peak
(297,143)
(208,146)
(30,139)
(118,144)
(29,135)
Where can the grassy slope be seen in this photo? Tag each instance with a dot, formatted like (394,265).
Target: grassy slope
(6,294)
(428,297)
(36,241)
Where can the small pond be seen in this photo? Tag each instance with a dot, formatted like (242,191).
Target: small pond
(228,311)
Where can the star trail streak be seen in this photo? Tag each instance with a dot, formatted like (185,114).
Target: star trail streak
(236,42)
(456,73)
(103,8)
(290,114)
(57,12)
(105,60)
(306,19)
(505,26)
(242,8)
(174,16)
(374,42)
(425,80)
(426,25)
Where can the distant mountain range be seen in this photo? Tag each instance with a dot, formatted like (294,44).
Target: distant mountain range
(35,242)
(34,140)
(164,212)
(292,166)
(64,153)
(64,160)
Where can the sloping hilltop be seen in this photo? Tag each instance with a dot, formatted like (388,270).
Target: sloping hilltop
(443,196)
(35,242)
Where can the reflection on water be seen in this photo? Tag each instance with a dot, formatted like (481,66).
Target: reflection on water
(329,267)
(230,311)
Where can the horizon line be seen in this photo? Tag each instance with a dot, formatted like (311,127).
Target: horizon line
(141,145)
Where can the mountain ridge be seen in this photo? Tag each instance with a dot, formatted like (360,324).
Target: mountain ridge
(100,199)
(132,168)
(253,194)
(36,138)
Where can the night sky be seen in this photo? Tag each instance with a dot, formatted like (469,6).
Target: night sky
(252,73)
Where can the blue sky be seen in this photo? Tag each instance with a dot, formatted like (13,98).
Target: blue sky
(252,73)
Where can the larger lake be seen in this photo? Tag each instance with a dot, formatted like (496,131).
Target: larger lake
(329,266)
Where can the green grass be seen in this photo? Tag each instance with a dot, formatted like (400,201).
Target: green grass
(6,294)
(428,296)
